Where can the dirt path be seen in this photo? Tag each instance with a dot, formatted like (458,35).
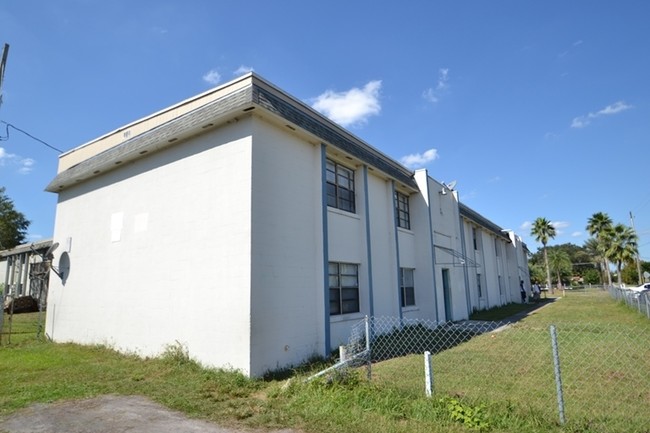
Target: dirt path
(109,414)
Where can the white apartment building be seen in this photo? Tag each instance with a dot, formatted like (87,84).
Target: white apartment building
(254,231)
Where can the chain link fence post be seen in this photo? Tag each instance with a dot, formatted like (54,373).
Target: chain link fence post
(558,374)
(428,374)
(368,353)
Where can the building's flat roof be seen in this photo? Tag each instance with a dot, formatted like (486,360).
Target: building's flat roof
(240,97)
(479,219)
(208,110)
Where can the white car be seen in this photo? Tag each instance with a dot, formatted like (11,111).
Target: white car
(643,288)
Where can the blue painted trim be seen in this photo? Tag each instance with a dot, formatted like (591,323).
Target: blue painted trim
(371,310)
(399,267)
(326,283)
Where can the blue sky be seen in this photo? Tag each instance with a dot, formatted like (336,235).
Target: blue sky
(534,108)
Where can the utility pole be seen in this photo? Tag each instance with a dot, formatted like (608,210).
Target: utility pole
(3,63)
(638,262)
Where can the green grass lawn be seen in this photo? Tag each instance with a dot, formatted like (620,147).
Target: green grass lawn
(500,381)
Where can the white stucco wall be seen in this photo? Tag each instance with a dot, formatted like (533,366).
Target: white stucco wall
(160,253)
(287,293)
(444,214)
(384,253)
(425,291)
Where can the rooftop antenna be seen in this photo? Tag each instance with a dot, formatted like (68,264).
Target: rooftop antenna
(47,257)
(451,185)
(3,63)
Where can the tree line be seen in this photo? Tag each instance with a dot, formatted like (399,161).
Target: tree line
(13,224)
(609,244)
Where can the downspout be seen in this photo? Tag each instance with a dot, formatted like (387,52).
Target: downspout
(465,271)
(325,234)
(433,249)
(399,283)
(366,202)
(507,271)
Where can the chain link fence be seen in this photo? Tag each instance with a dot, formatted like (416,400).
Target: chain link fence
(587,377)
(639,301)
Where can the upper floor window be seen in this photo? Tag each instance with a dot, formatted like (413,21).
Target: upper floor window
(344,288)
(340,187)
(475,237)
(402,210)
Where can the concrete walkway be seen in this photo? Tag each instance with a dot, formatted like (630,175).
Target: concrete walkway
(110,414)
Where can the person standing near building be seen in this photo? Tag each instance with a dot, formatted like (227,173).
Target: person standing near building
(523,291)
(536,291)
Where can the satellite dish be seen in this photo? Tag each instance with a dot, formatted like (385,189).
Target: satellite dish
(451,185)
(50,250)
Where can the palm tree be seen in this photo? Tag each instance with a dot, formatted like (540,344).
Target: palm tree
(598,226)
(592,247)
(543,230)
(623,246)
(560,262)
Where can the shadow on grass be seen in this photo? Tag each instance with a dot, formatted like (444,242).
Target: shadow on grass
(510,312)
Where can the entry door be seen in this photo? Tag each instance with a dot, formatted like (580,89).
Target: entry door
(446,290)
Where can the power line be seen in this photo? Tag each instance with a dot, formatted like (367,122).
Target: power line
(9,125)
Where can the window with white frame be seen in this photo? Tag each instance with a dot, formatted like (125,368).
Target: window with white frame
(479,288)
(402,210)
(407,286)
(340,187)
(344,288)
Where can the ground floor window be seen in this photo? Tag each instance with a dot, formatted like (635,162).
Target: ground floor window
(344,288)
(407,287)
(478,285)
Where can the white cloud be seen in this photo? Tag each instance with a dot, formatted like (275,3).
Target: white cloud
(494,179)
(243,70)
(443,77)
(580,122)
(576,234)
(560,224)
(578,42)
(351,107)
(526,225)
(25,165)
(417,160)
(615,108)
(4,156)
(432,94)
(212,77)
